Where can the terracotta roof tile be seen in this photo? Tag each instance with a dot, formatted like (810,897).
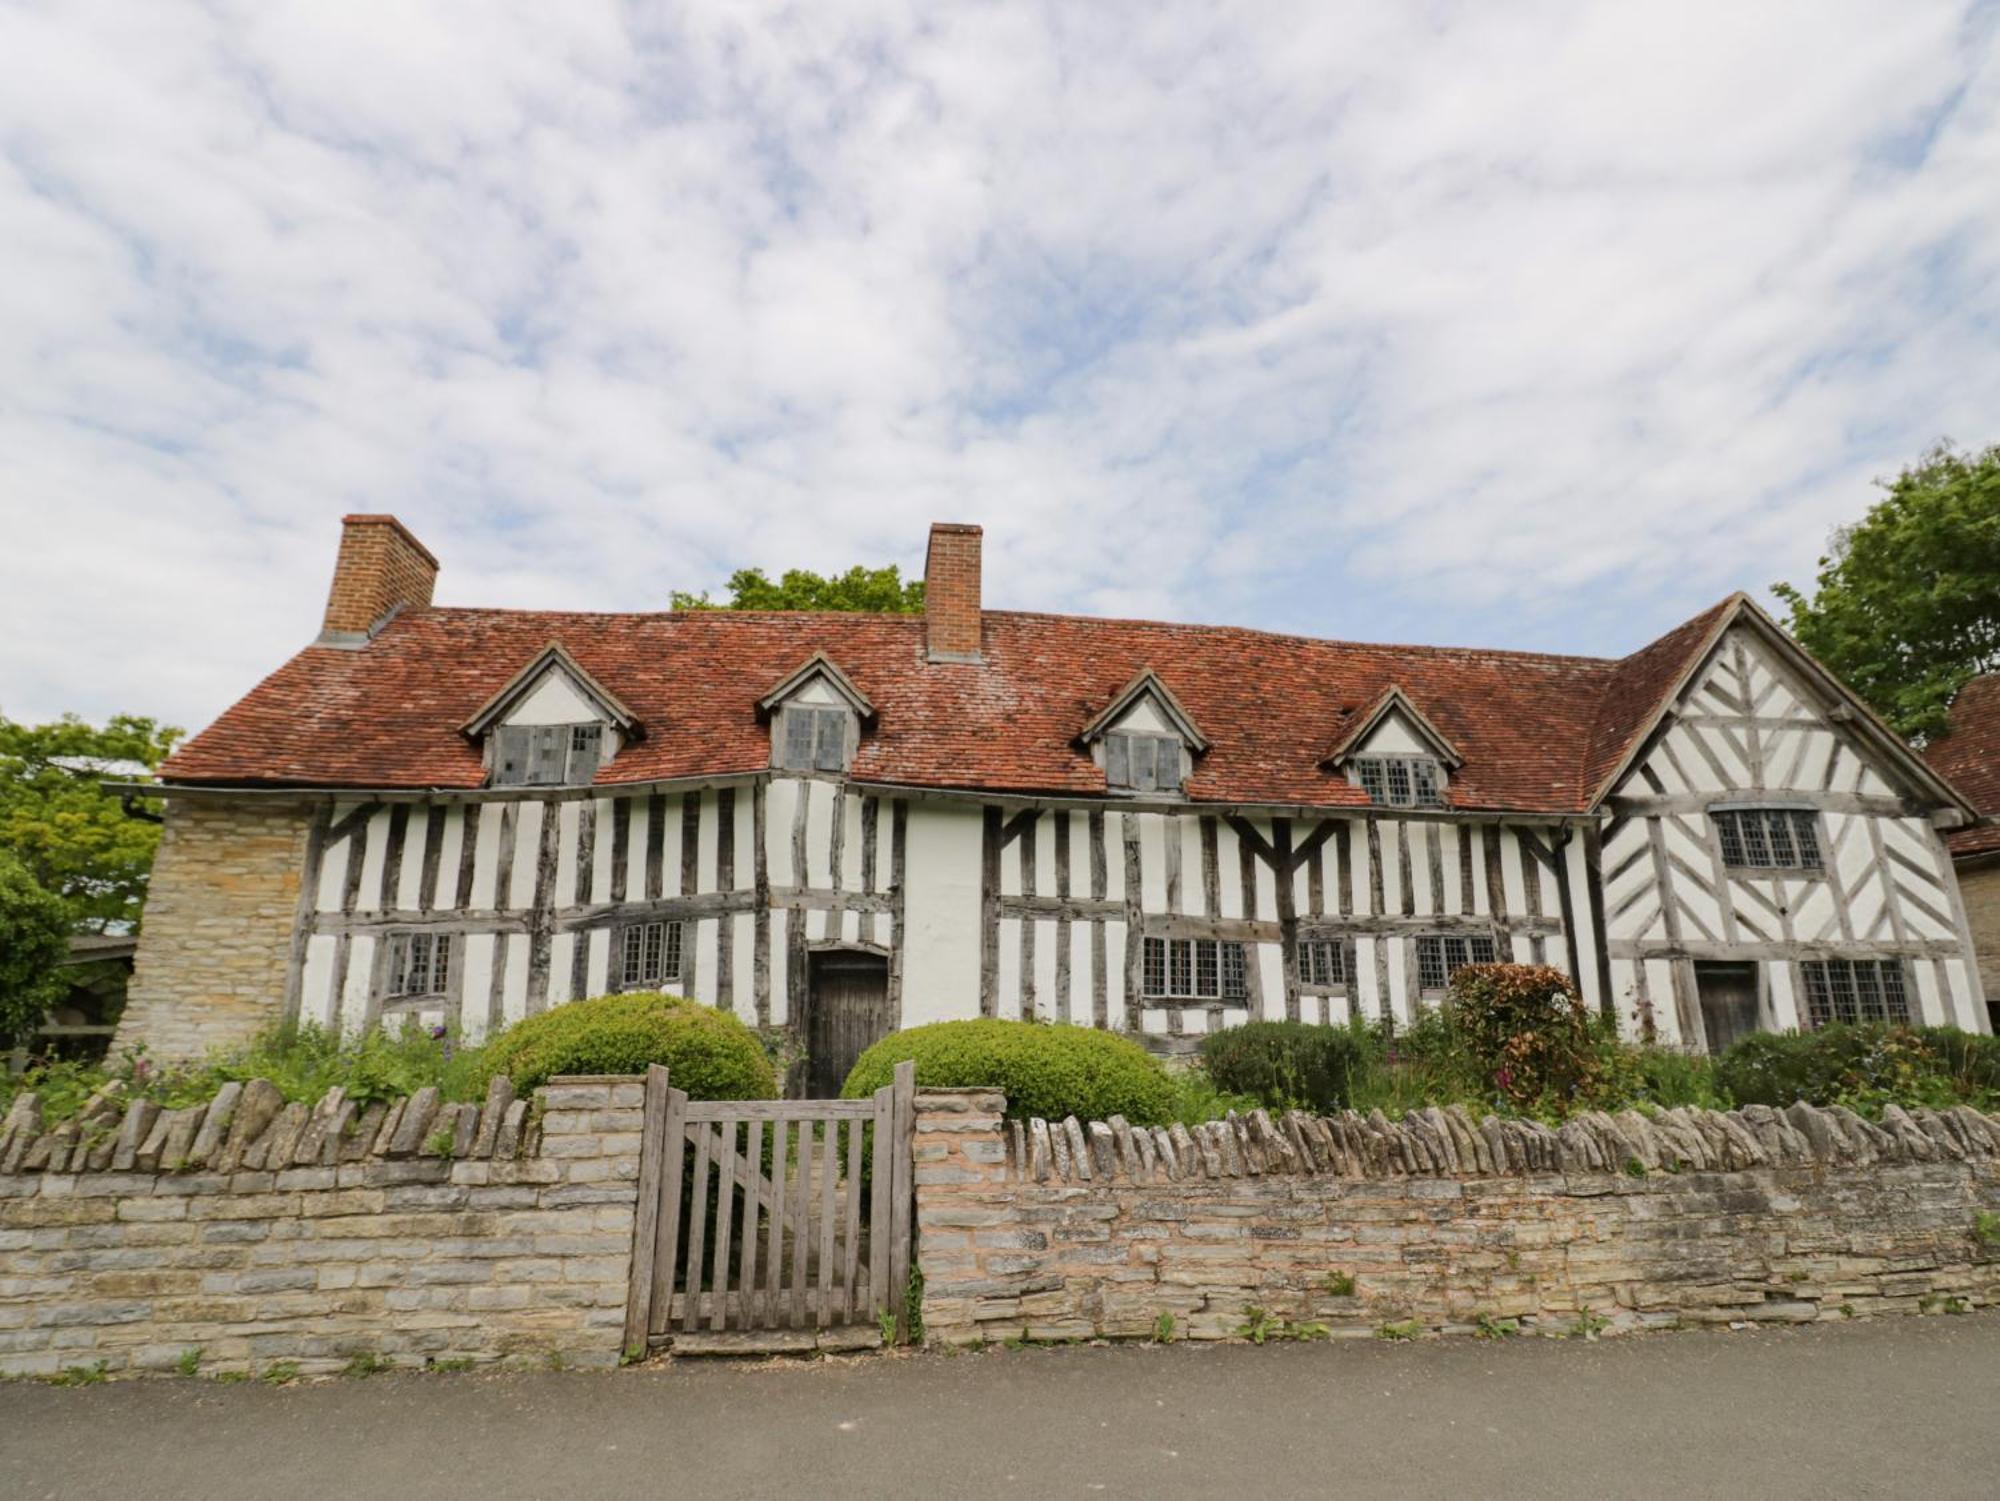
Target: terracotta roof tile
(1537,732)
(1968,756)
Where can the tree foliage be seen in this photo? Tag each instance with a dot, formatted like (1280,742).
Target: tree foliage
(72,836)
(879,591)
(1907,603)
(34,940)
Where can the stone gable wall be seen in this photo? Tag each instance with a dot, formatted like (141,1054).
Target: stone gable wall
(224,893)
(1059,1230)
(257,1234)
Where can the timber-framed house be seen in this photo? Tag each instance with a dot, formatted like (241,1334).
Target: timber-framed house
(843,824)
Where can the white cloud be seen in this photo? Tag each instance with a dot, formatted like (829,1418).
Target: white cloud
(1534,325)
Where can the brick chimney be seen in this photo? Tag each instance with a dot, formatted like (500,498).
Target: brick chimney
(381,569)
(951,593)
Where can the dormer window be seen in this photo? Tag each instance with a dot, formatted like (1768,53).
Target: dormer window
(1394,754)
(816,716)
(1141,762)
(1144,739)
(1399,781)
(546,755)
(551,725)
(813,738)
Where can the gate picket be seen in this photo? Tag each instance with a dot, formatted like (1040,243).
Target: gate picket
(725,1202)
(793,1256)
(697,1226)
(774,1275)
(753,1198)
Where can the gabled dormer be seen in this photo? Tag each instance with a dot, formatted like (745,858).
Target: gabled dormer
(816,717)
(1391,751)
(1143,739)
(552,725)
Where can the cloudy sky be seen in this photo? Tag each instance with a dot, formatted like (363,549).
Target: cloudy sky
(1535,324)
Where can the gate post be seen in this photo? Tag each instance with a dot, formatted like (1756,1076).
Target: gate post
(903,1130)
(646,1218)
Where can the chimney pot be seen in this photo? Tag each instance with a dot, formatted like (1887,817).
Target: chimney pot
(382,568)
(951,593)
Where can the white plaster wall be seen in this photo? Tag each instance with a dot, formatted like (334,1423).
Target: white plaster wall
(941,913)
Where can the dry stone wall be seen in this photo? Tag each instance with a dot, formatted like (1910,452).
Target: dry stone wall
(256,1231)
(1356,1225)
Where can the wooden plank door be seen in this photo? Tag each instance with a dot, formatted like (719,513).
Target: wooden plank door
(849,1010)
(1728,995)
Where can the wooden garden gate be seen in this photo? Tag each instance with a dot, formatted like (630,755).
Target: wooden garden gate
(767,1223)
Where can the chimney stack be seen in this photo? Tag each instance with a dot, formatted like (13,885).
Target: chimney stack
(381,569)
(951,593)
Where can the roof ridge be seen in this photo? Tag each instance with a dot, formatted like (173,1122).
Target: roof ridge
(1270,635)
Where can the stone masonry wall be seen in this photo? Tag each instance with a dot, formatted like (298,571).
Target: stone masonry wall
(1348,1225)
(256,1232)
(219,912)
(1979,885)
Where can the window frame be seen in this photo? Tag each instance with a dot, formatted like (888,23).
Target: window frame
(441,965)
(1119,746)
(668,962)
(1424,777)
(1223,960)
(1817,992)
(819,717)
(1472,941)
(1802,823)
(581,743)
(1317,978)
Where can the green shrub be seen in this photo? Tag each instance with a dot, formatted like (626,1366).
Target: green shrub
(1197,1100)
(1046,1071)
(1863,1067)
(1287,1065)
(305,1061)
(1528,1031)
(708,1053)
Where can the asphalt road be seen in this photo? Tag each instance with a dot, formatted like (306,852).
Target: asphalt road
(1896,1407)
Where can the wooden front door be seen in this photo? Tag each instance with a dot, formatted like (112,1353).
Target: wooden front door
(1728,995)
(849,1010)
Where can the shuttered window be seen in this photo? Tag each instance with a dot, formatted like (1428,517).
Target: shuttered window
(1855,990)
(1325,963)
(1440,955)
(1193,969)
(813,739)
(419,964)
(1142,763)
(1399,781)
(1768,838)
(546,755)
(650,953)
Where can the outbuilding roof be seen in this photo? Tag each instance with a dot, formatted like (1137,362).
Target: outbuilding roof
(1968,756)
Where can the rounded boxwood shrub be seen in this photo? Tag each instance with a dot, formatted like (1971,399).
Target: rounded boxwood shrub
(708,1053)
(1045,1070)
(1286,1065)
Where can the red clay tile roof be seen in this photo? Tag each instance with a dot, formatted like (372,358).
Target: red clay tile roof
(1637,688)
(1537,732)
(1969,758)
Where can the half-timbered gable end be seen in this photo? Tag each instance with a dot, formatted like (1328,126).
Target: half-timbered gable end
(840,824)
(1771,860)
